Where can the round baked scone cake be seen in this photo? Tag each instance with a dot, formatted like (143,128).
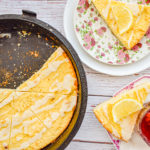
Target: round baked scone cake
(39,110)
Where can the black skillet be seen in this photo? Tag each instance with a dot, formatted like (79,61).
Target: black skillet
(25,44)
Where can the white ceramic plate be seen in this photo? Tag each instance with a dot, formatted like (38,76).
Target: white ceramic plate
(90,61)
(136,138)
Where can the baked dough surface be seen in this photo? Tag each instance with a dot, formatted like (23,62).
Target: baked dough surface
(39,110)
(141,20)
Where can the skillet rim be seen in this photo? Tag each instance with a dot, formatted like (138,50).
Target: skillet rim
(76,64)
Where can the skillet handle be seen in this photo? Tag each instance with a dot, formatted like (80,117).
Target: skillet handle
(29,13)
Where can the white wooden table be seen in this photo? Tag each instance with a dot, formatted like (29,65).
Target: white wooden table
(91,136)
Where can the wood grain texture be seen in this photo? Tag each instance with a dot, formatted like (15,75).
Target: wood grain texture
(89,146)
(101,87)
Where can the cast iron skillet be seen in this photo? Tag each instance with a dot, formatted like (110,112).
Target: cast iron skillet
(25,44)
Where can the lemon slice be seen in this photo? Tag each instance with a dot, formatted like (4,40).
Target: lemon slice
(125,108)
(123,17)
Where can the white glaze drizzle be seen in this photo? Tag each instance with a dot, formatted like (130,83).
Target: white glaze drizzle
(66,107)
(141,96)
(114,131)
(48,107)
(48,122)
(7,100)
(137,94)
(18,138)
(139,17)
(105,108)
(106,10)
(4,133)
(60,51)
(54,115)
(28,123)
(31,140)
(130,38)
(41,102)
(10,98)
(16,131)
(17,119)
(52,67)
(67,84)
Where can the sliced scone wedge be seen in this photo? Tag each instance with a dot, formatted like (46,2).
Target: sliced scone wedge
(56,76)
(55,111)
(121,123)
(27,131)
(129,22)
(56,115)
(122,129)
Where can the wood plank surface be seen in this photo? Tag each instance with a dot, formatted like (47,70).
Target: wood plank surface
(100,87)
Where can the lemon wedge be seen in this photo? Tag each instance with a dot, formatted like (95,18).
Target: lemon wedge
(125,108)
(124,17)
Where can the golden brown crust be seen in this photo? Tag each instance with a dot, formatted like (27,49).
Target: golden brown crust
(72,70)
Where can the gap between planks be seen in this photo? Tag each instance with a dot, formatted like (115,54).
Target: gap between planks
(96,142)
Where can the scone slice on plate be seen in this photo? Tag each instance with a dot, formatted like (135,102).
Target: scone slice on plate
(122,129)
(56,76)
(129,22)
(119,114)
